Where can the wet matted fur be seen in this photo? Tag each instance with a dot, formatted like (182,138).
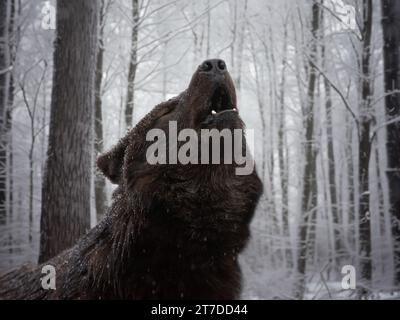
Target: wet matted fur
(173,231)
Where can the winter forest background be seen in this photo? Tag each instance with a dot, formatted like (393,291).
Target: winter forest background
(310,79)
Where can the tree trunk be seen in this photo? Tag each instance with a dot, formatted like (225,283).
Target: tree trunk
(4,91)
(365,150)
(208,48)
(238,80)
(9,118)
(10,161)
(66,185)
(309,199)
(334,207)
(338,249)
(391,51)
(100,183)
(283,155)
(130,96)
(31,189)
(352,209)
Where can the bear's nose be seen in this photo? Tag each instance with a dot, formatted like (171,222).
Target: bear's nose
(213,66)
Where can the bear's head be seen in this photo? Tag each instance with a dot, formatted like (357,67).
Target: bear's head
(203,195)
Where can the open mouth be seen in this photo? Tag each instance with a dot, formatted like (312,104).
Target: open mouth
(221,101)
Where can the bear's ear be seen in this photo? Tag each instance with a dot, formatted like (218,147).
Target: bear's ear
(110,163)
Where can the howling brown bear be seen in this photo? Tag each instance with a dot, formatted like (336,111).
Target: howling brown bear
(174,231)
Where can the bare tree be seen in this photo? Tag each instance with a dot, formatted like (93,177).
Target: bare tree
(365,119)
(13,43)
(309,198)
(391,51)
(283,153)
(239,34)
(66,186)
(133,62)
(5,71)
(100,183)
(332,185)
(32,110)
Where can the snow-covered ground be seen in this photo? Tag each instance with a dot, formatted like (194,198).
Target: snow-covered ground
(278,285)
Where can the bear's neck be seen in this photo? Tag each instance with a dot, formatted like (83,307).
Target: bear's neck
(161,263)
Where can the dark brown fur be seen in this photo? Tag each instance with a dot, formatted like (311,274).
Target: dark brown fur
(173,231)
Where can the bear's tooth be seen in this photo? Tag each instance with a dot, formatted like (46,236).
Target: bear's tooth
(213,112)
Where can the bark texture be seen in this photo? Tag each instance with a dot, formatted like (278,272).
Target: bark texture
(391,51)
(130,95)
(66,185)
(4,92)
